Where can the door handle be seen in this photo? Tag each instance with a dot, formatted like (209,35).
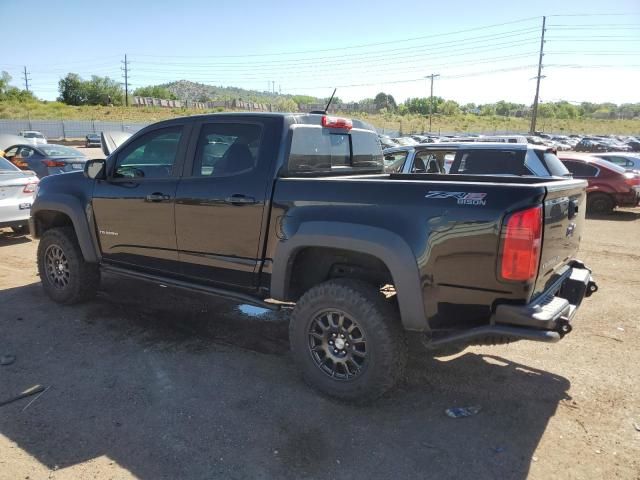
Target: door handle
(239,199)
(156,197)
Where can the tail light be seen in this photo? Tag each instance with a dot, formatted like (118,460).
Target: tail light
(521,244)
(337,122)
(632,179)
(30,187)
(53,163)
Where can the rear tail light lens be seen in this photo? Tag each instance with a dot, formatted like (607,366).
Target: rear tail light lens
(521,244)
(632,180)
(337,122)
(53,163)
(30,187)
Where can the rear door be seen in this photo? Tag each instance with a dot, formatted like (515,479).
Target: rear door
(134,207)
(564,211)
(221,198)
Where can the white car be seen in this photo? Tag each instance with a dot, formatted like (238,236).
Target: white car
(33,137)
(17,192)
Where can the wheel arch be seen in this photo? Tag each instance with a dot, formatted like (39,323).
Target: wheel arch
(382,245)
(62,210)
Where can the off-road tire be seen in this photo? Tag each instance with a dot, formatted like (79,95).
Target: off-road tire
(386,346)
(600,203)
(82,278)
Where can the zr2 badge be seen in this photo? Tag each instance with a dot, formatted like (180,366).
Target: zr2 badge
(477,199)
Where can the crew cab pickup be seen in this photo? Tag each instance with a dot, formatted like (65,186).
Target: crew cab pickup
(293,209)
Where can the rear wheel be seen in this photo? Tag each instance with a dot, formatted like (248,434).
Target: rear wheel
(600,203)
(66,277)
(347,340)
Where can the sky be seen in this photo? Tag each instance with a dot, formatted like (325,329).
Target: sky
(483,51)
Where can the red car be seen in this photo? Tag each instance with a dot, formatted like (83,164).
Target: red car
(609,186)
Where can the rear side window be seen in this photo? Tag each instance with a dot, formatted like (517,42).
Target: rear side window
(553,163)
(315,149)
(490,162)
(393,162)
(227,149)
(580,169)
(7,166)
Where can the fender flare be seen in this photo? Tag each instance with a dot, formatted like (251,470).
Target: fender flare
(385,245)
(72,208)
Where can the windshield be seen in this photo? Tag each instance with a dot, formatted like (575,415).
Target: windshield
(7,167)
(60,151)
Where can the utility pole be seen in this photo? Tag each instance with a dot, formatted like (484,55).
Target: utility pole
(432,76)
(26,79)
(126,80)
(534,113)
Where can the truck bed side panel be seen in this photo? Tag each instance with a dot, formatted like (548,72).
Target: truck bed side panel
(452,229)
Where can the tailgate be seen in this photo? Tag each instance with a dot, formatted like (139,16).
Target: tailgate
(564,210)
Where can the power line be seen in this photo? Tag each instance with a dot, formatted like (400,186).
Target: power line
(521,20)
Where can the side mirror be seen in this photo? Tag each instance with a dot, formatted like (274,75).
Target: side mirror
(95,169)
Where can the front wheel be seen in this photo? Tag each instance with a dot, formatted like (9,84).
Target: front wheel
(66,277)
(347,340)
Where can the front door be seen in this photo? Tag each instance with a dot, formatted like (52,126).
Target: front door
(221,199)
(134,207)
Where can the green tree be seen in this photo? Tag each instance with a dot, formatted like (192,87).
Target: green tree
(10,93)
(155,91)
(450,107)
(72,90)
(383,100)
(103,91)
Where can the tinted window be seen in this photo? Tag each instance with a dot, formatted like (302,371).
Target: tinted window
(429,161)
(580,169)
(317,149)
(227,149)
(150,156)
(490,162)
(553,163)
(7,166)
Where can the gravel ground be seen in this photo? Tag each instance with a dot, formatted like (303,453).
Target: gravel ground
(155,383)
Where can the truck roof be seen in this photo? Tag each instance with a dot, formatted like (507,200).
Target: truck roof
(301,118)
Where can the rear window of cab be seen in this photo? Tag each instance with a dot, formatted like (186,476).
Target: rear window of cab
(318,150)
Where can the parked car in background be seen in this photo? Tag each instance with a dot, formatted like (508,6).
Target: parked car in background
(33,137)
(92,140)
(386,141)
(475,159)
(405,141)
(610,185)
(633,143)
(591,145)
(17,192)
(628,161)
(45,160)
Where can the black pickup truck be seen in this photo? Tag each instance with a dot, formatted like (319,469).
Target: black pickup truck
(282,209)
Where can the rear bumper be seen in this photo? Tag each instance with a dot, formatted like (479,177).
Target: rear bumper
(554,310)
(547,319)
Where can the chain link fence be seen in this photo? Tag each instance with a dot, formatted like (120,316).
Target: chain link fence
(67,129)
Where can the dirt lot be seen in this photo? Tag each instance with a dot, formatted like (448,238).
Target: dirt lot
(154,383)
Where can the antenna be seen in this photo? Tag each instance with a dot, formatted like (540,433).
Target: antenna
(326,109)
